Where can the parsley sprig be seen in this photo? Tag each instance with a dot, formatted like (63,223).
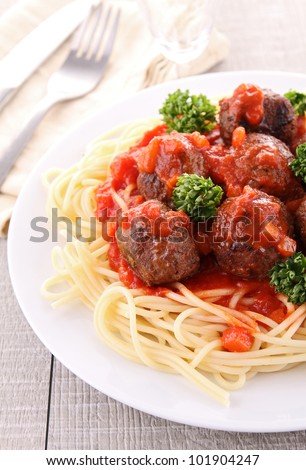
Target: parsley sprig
(188,113)
(298,165)
(289,278)
(197,196)
(298,101)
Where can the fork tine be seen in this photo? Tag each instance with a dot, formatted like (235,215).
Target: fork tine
(93,28)
(78,35)
(103,29)
(110,40)
(80,32)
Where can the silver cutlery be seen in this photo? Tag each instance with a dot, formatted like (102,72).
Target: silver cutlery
(38,45)
(80,73)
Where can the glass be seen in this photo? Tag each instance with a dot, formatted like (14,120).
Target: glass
(181,28)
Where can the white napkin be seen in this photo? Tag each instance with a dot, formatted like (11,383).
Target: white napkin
(134,64)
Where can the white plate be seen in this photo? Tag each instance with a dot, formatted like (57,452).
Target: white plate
(273,402)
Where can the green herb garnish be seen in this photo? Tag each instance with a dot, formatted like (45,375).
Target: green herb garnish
(298,165)
(198,197)
(188,113)
(289,278)
(298,101)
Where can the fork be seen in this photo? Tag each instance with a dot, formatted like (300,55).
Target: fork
(79,74)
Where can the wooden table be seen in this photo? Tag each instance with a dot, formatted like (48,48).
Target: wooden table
(42,404)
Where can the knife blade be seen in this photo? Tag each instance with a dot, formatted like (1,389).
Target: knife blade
(38,45)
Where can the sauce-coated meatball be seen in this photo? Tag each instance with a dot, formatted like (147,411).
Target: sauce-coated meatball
(164,160)
(251,233)
(260,162)
(257,110)
(156,242)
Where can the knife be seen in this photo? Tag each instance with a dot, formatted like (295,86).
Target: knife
(38,45)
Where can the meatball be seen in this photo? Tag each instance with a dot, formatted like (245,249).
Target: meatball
(157,244)
(261,162)
(257,110)
(300,221)
(251,233)
(246,104)
(163,160)
(279,118)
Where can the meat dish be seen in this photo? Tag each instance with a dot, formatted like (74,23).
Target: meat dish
(254,173)
(198,265)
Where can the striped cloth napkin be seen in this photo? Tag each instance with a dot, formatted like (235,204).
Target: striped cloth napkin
(128,71)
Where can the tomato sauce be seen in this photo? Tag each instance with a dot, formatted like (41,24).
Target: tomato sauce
(247,102)
(150,134)
(263,295)
(123,172)
(126,274)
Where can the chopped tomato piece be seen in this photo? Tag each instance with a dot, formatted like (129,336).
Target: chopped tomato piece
(171,183)
(286,246)
(237,339)
(238,136)
(148,157)
(198,140)
(273,233)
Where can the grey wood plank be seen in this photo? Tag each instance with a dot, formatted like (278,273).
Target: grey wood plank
(83,418)
(24,377)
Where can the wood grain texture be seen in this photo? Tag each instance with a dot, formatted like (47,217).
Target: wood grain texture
(24,377)
(264,34)
(83,418)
